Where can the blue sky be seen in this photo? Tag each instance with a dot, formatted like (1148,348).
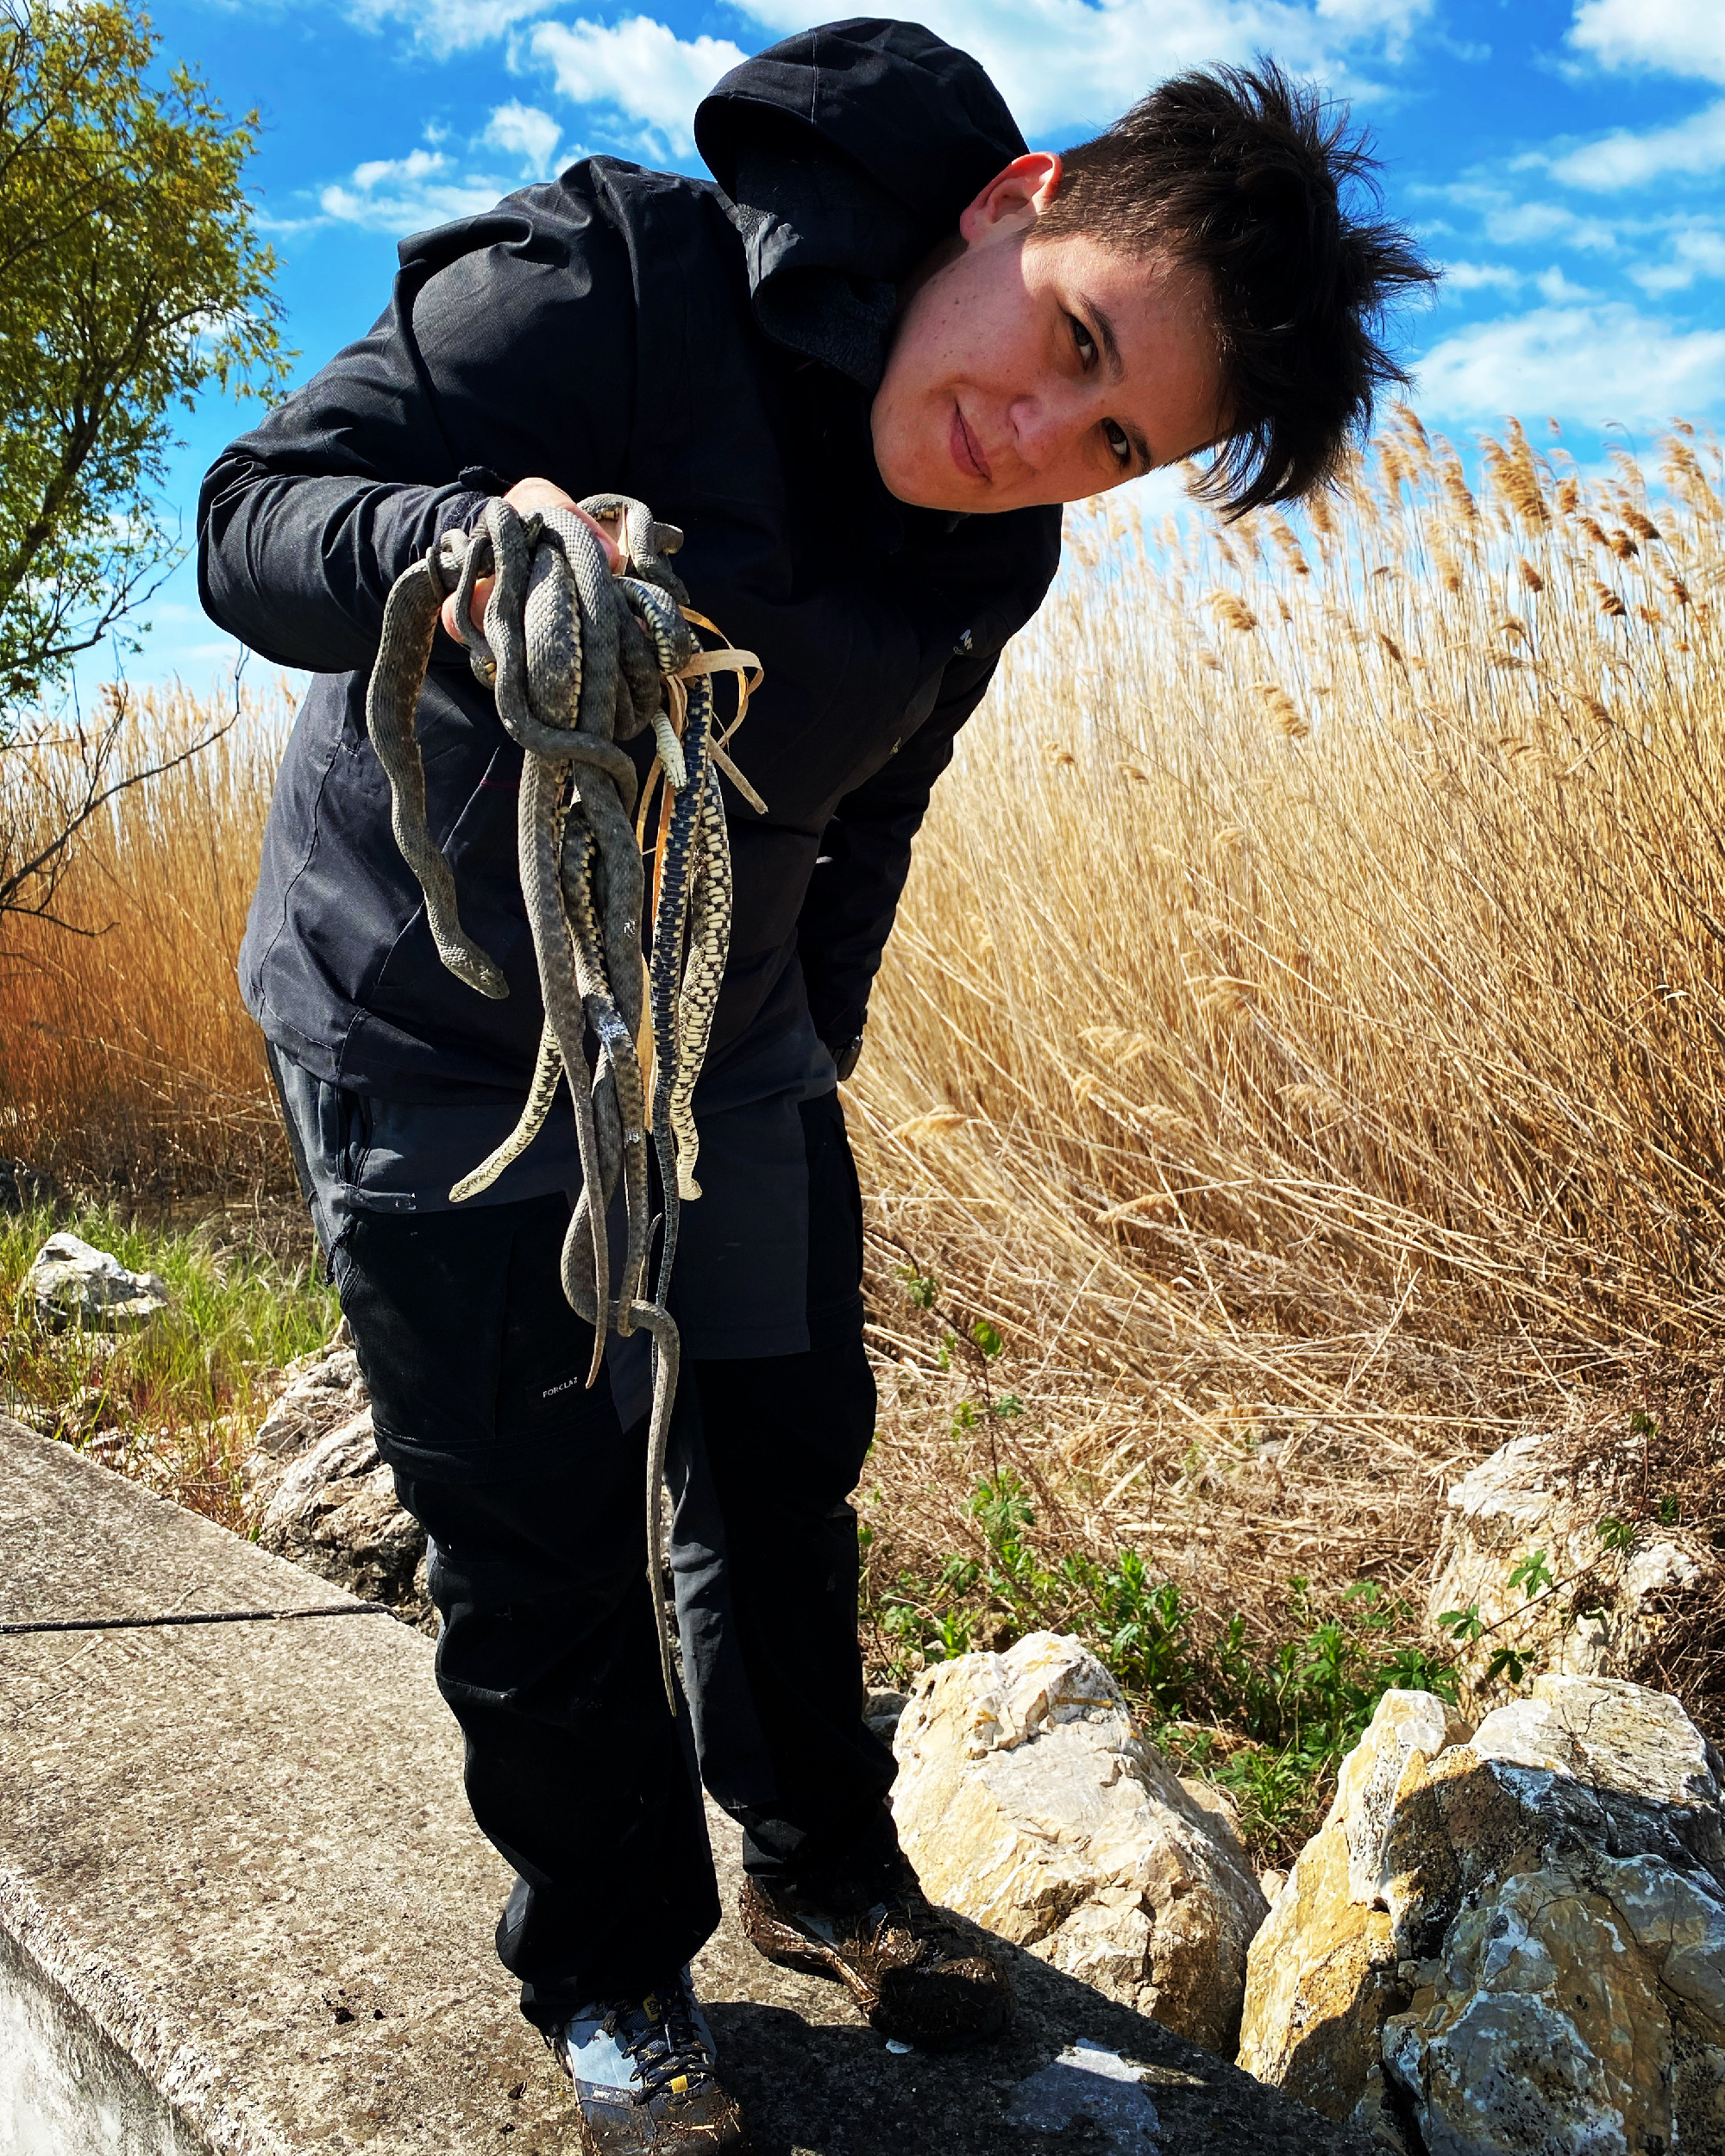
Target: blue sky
(1564,158)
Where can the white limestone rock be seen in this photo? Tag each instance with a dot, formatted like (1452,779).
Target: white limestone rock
(72,1284)
(1539,1493)
(1509,1941)
(1026,1802)
(336,1512)
(318,1392)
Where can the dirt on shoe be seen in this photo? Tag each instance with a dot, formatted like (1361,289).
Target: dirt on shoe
(918,1977)
(646,2076)
(707,2125)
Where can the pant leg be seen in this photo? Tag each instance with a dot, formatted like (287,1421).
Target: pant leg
(767,1563)
(529,1492)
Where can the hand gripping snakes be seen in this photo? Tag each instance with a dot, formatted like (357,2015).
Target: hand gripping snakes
(564,652)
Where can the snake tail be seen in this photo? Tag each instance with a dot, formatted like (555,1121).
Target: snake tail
(548,1069)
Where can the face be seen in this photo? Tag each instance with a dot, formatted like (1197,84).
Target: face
(1025,370)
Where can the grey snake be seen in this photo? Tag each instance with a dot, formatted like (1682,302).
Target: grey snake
(563,651)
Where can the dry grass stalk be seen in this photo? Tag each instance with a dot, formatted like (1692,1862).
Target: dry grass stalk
(1317,1106)
(127,1061)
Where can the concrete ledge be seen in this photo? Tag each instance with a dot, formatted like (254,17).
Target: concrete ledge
(243,1911)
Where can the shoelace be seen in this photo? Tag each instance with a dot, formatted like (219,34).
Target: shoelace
(659,2034)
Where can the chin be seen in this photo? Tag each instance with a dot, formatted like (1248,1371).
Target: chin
(919,488)
(914,497)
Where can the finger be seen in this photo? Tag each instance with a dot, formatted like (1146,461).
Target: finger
(613,553)
(475,612)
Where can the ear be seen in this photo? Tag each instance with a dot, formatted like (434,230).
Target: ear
(1013,199)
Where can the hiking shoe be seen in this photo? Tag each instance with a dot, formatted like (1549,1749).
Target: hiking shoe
(646,2076)
(919,1979)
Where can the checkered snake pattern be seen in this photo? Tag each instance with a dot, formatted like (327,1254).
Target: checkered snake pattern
(564,650)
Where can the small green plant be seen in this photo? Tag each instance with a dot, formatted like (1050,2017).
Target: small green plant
(1615,1535)
(920,1289)
(1533,1576)
(1007,1406)
(964,1417)
(1463,1626)
(987,1337)
(1532,1579)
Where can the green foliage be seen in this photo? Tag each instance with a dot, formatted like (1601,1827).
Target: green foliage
(1533,1576)
(1007,1406)
(130,278)
(1615,1535)
(1280,1714)
(1463,1626)
(1508,1663)
(175,1403)
(988,1338)
(920,1289)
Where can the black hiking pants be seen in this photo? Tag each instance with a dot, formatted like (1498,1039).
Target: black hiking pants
(531,1492)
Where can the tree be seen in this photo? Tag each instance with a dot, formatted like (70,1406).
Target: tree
(131,277)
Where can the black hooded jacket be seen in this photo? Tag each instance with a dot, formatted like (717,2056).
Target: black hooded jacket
(712,350)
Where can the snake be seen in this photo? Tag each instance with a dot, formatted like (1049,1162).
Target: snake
(581,660)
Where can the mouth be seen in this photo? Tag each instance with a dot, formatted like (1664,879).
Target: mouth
(965,450)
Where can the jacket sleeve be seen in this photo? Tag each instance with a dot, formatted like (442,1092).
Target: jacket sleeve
(465,384)
(865,855)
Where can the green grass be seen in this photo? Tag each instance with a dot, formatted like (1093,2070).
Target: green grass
(1267,1721)
(175,1404)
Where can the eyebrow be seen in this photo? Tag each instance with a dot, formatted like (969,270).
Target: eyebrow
(1105,329)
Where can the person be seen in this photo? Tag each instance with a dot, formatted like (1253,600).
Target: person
(861,369)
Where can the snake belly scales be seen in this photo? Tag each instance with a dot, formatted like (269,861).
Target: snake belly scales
(563,651)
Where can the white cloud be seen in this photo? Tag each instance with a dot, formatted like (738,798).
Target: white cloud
(406,194)
(1556,290)
(1697,251)
(1506,221)
(1473,277)
(450,26)
(1586,364)
(1680,37)
(1694,147)
(527,133)
(639,66)
(1066,64)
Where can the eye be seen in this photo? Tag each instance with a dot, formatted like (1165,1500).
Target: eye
(1116,437)
(1081,337)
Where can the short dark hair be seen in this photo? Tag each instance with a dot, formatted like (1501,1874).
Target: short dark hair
(1263,186)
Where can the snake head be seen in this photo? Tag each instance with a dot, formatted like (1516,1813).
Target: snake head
(476,968)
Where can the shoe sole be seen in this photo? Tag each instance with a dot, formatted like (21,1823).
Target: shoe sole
(589,2146)
(704,2144)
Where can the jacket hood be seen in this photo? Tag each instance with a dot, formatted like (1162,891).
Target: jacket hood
(845,155)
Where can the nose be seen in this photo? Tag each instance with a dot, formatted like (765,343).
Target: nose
(1047,421)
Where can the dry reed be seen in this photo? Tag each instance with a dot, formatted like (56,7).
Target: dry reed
(1301,1034)
(127,1062)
